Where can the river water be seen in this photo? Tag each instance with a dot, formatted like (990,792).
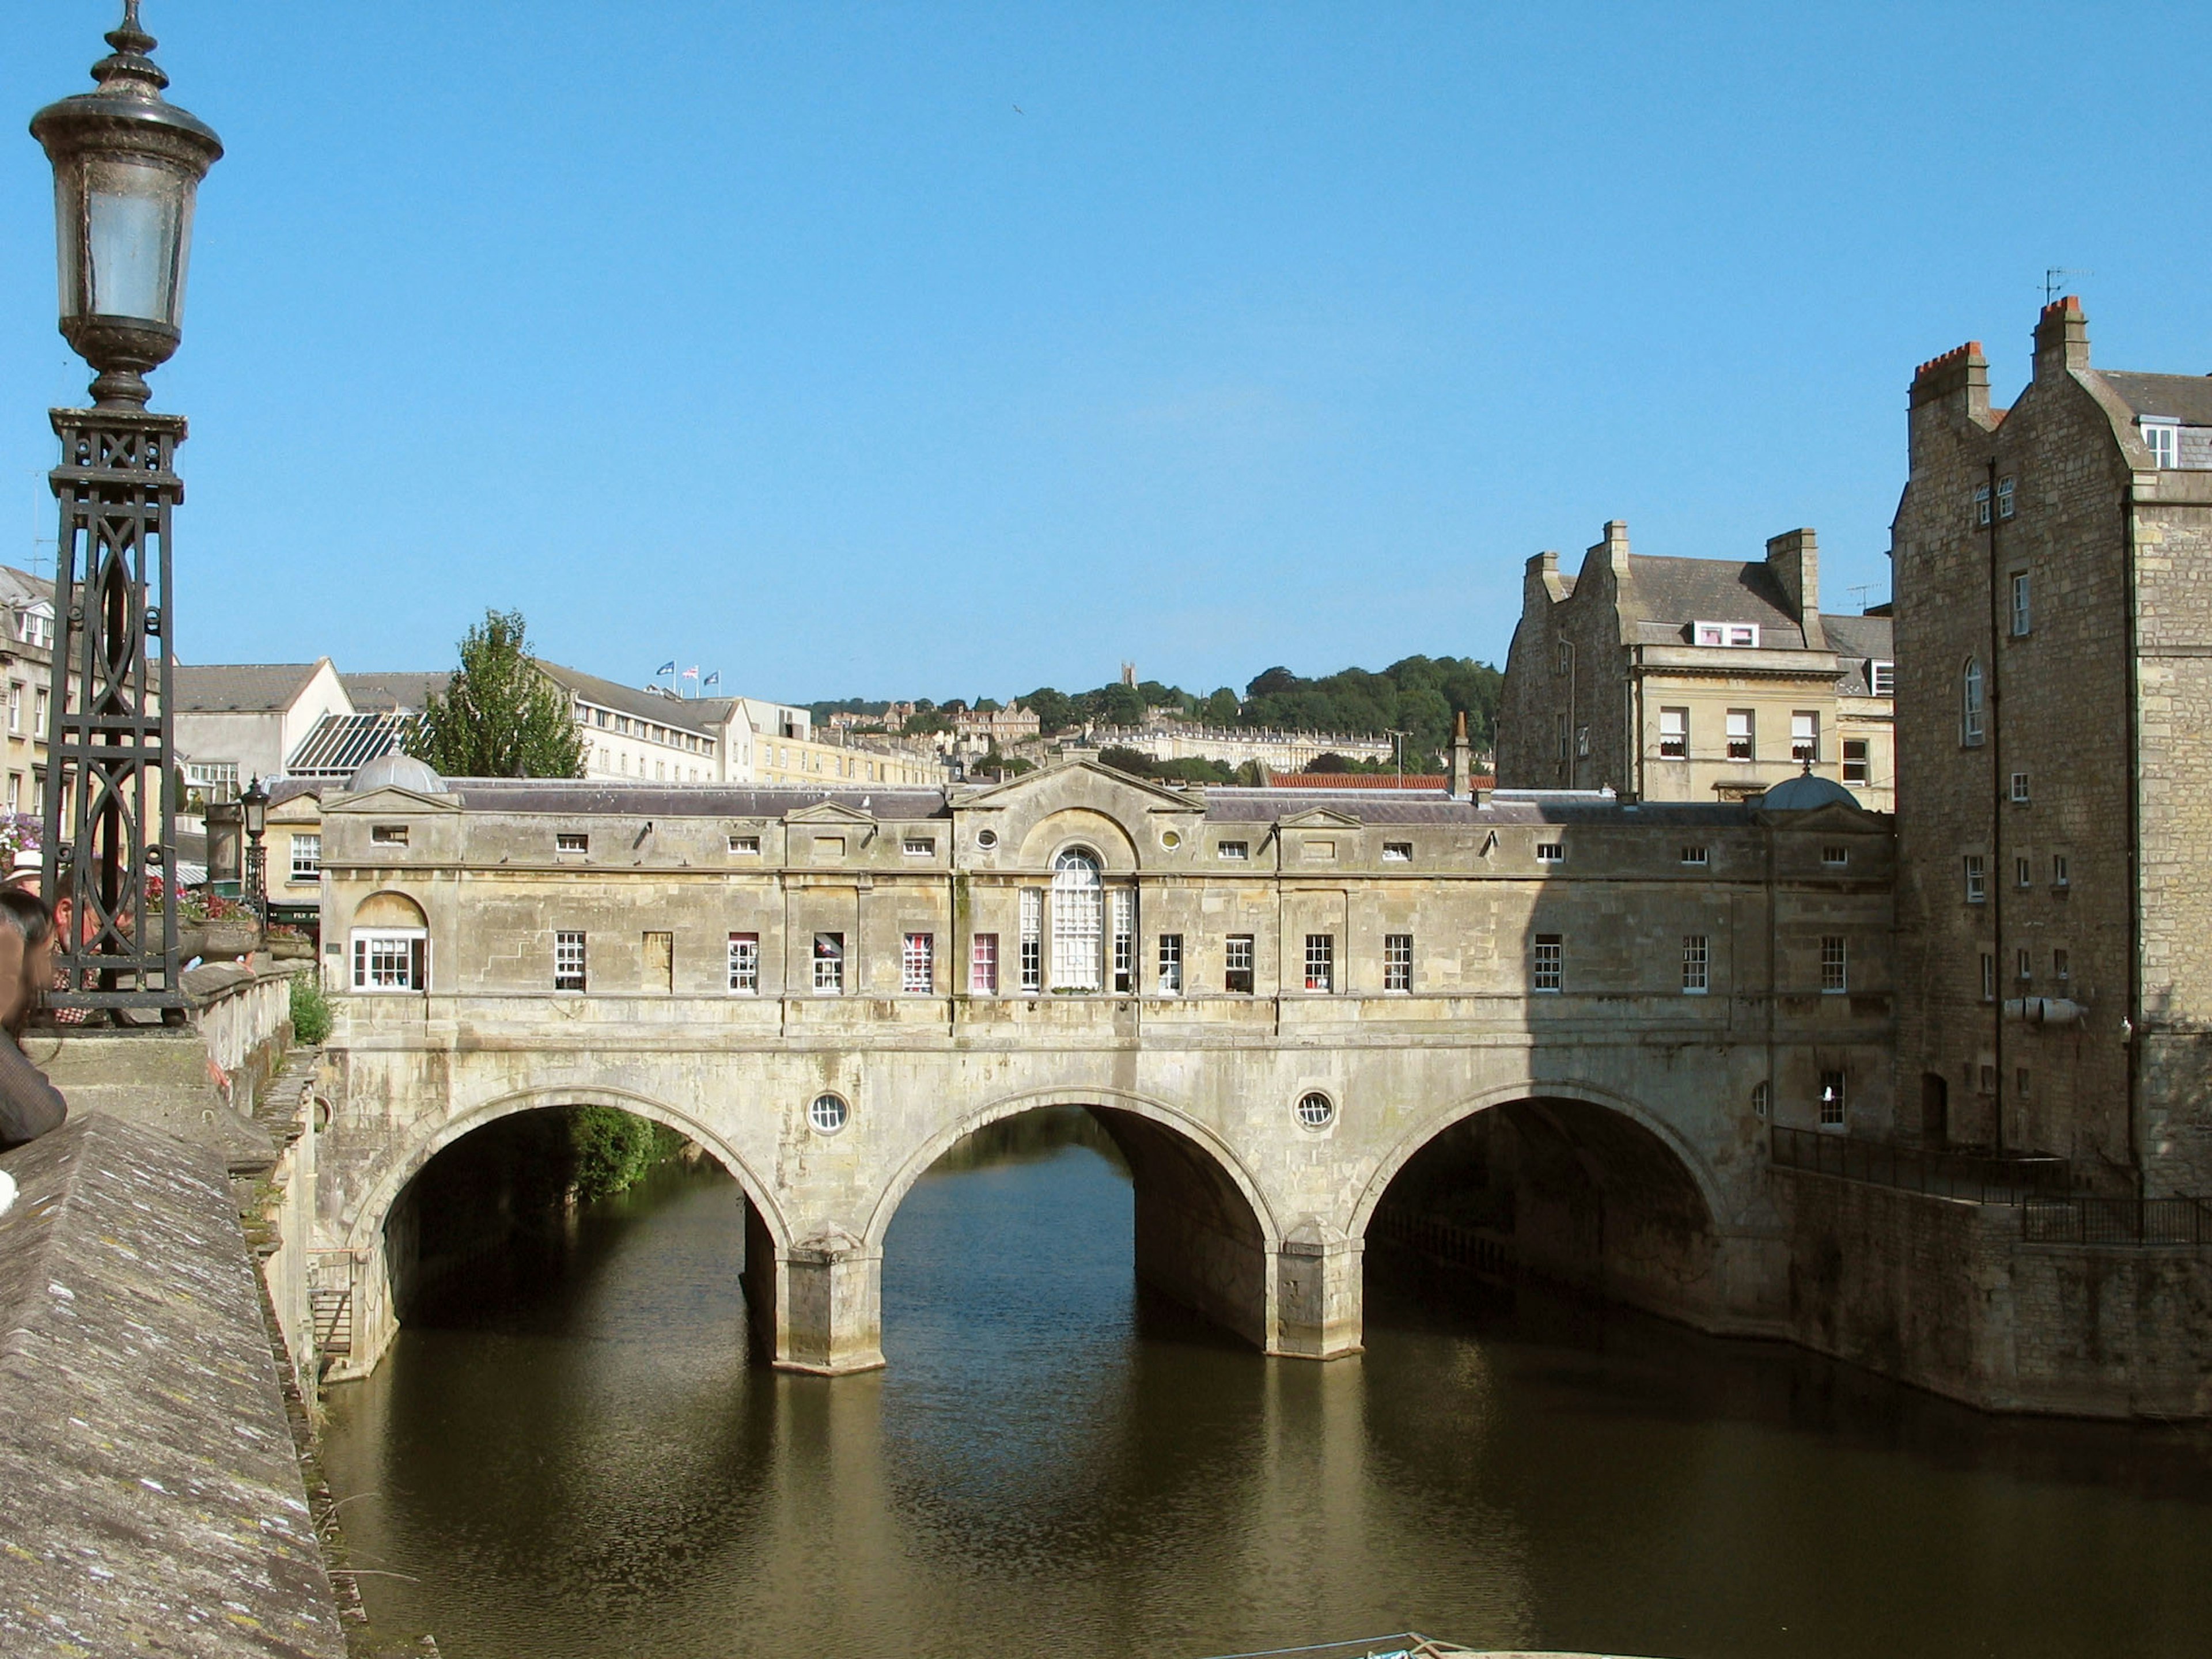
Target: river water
(573,1459)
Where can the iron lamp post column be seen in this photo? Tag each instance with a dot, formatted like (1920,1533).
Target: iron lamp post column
(253,809)
(127,165)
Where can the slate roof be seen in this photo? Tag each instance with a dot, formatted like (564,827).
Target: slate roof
(1857,641)
(19,588)
(1264,806)
(149,1492)
(689,801)
(407,688)
(1676,593)
(2184,397)
(702,715)
(238,688)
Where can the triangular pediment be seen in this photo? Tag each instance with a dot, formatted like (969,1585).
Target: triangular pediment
(1048,783)
(829,811)
(1319,818)
(390,797)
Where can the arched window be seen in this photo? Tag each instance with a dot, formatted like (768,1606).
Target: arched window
(1078,922)
(1970,702)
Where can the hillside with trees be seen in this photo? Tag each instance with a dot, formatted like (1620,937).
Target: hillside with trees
(1418,695)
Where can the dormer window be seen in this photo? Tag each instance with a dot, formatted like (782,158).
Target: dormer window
(2163,440)
(1725,634)
(1881,678)
(35,625)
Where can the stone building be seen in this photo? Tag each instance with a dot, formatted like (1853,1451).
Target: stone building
(1694,679)
(27,652)
(2055,757)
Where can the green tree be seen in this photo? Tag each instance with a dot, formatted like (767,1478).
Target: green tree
(1053,709)
(500,716)
(1220,709)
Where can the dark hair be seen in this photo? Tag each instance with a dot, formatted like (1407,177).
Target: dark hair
(27,915)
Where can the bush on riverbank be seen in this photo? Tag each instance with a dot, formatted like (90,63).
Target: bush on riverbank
(613,1150)
(311,1012)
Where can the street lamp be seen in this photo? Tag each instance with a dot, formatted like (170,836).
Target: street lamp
(127,164)
(253,811)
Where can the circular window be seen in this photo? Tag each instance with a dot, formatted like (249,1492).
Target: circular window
(1316,1110)
(827,1114)
(986,839)
(1170,839)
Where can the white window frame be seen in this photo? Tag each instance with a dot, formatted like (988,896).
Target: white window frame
(1698,858)
(1989,976)
(571,960)
(2023,871)
(2163,440)
(1550,851)
(1743,734)
(746,847)
(1032,938)
(1977,879)
(1122,909)
(311,870)
(1236,851)
(1727,636)
(1697,964)
(2062,876)
(2020,788)
(1805,736)
(2005,495)
(1078,922)
(1398,962)
(1240,954)
(1673,734)
(1833,1102)
(918,965)
(571,841)
(2023,609)
(1981,505)
(1170,965)
(745,965)
(1835,965)
(918,846)
(362,953)
(1973,706)
(1835,857)
(1321,963)
(1881,678)
(1397,852)
(1858,768)
(829,975)
(983,965)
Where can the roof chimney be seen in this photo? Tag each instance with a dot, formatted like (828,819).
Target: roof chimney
(2061,338)
(1462,769)
(1794,557)
(1961,375)
(1615,546)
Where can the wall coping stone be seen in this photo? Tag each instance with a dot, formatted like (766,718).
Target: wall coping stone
(150,1495)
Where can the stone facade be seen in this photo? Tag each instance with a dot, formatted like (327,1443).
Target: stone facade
(1692,679)
(2055,727)
(1204,962)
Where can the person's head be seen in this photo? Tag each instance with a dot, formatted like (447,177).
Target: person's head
(73,924)
(27,955)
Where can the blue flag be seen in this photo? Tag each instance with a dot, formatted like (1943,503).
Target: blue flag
(668,667)
(715,679)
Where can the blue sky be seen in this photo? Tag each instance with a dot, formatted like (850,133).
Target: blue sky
(949,351)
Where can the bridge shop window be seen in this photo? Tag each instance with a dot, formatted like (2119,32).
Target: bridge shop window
(745,846)
(1078,921)
(1234,849)
(1170,964)
(744,963)
(830,964)
(391,959)
(1545,976)
(1696,856)
(918,965)
(1673,734)
(1032,938)
(1237,976)
(1855,767)
(1833,977)
(1397,962)
(983,965)
(1832,1100)
(569,961)
(1694,965)
(1321,962)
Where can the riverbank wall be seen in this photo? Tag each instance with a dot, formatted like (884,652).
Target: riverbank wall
(1950,1296)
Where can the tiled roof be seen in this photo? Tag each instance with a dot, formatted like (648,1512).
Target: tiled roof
(691,801)
(1676,593)
(1857,641)
(406,689)
(238,688)
(701,715)
(2184,397)
(21,588)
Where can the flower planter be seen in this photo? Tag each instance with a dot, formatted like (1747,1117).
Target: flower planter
(288,947)
(227,939)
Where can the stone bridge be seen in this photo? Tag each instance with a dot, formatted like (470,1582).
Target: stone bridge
(1273,1001)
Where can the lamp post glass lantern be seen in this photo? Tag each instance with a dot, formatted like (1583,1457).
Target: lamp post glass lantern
(127,166)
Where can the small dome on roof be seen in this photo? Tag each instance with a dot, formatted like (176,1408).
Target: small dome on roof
(396,772)
(1805,791)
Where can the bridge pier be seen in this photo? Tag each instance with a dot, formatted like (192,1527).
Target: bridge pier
(829,1311)
(1319,1295)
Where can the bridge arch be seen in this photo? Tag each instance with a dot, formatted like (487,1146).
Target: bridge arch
(1719,1210)
(383,1192)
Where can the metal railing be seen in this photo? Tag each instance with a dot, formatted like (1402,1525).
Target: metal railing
(1448,1242)
(2082,1220)
(1975,1178)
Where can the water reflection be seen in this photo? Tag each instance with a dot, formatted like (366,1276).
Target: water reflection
(576,1460)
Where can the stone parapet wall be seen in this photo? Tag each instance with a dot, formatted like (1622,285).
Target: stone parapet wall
(1949,1296)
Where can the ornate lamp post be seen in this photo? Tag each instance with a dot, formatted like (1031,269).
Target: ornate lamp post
(126,166)
(253,811)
